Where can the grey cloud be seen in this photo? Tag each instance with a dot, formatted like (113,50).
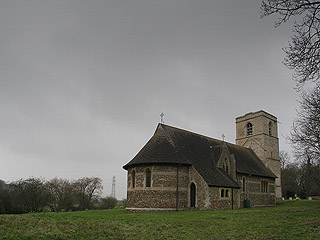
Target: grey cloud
(82,83)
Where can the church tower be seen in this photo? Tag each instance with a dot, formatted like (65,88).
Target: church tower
(259,131)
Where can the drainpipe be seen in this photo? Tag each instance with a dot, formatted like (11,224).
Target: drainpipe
(247,192)
(177,192)
(232,197)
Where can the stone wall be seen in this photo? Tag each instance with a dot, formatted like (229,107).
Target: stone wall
(266,146)
(218,202)
(255,195)
(165,199)
(202,190)
(162,194)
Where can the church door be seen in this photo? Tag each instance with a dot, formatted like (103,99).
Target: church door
(192,195)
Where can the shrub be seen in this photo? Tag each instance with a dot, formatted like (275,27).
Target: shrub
(108,203)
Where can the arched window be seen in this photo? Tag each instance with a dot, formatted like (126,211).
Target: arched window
(249,129)
(244,183)
(192,195)
(225,166)
(222,193)
(264,186)
(227,193)
(148,178)
(270,128)
(133,176)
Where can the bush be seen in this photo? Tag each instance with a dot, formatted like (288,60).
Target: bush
(108,203)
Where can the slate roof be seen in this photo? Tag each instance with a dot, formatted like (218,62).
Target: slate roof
(170,145)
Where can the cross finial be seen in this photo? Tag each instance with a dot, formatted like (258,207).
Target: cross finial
(223,136)
(161,119)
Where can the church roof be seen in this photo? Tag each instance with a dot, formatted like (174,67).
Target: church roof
(170,145)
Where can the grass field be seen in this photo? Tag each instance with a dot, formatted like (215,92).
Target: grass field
(289,220)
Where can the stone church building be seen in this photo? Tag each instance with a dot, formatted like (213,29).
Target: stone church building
(178,169)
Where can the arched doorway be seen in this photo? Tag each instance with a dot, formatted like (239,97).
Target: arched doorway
(192,195)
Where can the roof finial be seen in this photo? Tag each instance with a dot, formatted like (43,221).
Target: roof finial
(223,136)
(161,119)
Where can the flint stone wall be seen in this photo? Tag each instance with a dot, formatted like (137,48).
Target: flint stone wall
(163,191)
(256,197)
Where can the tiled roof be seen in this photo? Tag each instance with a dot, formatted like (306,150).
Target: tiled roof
(170,145)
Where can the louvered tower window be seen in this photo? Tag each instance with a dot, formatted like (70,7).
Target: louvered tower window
(249,129)
(270,128)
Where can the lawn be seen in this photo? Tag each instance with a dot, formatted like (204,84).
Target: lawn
(288,220)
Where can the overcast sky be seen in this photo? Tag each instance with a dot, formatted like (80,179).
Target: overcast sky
(82,83)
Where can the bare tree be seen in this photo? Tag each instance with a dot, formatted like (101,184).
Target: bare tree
(87,190)
(62,194)
(290,180)
(284,159)
(305,134)
(34,194)
(29,195)
(303,53)
(2,184)
(5,201)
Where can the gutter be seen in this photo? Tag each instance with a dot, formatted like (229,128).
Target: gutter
(177,191)
(232,197)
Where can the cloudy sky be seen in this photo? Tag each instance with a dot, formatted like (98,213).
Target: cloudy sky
(82,83)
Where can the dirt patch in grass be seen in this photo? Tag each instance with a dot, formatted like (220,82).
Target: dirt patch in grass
(314,224)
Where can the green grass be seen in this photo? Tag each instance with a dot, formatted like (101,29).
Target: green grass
(289,220)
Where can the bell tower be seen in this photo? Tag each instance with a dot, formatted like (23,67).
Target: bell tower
(259,131)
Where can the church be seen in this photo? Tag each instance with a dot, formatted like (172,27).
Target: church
(180,170)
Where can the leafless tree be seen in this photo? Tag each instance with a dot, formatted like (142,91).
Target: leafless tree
(62,194)
(29,195)
(290,180)
(305,134)
(284,159)
(303,52)
(35,194)
(2,184)
(86,190)
(5,205)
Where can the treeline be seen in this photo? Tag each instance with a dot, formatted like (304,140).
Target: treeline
(37,195)
(300,178)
